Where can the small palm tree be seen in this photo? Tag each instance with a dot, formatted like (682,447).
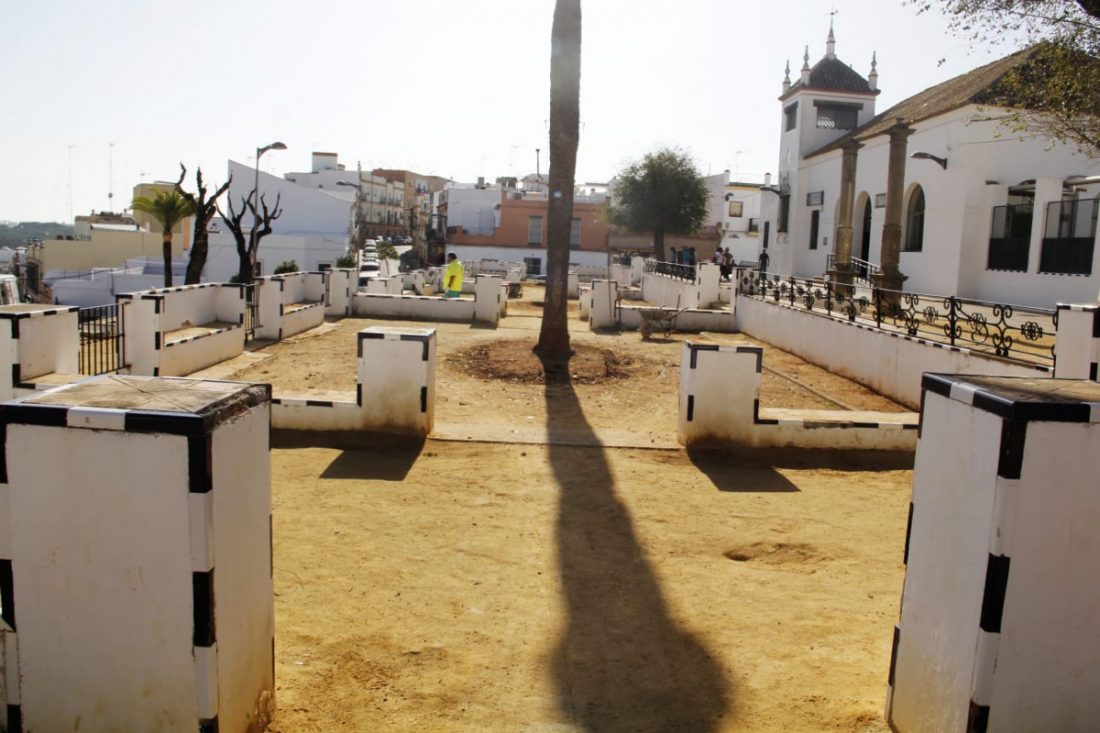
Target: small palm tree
(168,208)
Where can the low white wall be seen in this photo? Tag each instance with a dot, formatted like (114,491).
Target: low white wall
(584,301)
(35,341)
(620,274)
(887,362)
(669,292)
(605,294)
(630,318)
(385,285)
(277,292)
(149,317)
(720,398)
(1078,342)
(573,285)
(147,543)
(413,307)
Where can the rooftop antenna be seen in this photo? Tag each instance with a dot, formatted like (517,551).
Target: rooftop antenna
(110,176)
(71,182)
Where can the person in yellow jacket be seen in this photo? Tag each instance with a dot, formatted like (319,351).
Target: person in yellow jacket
(452,277)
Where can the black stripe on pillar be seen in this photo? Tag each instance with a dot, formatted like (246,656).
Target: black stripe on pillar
(423,399)
(1011,459)
(908,534)
(209,725)
(7,593)
(977,720)
(15,719)
(696,348)
(1092,371)
(893,656)
(993,599)
(920,415)
(16,374)
(15,328)
(3,452)
(202,586)
(156,341)
(691,402)
(359,395)
(199,464)
(1096,323)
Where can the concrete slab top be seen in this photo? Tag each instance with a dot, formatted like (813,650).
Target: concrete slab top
(30,308)
(399,330)
(1022,398)
(158,394)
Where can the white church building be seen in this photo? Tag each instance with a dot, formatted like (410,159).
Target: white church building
(937,192)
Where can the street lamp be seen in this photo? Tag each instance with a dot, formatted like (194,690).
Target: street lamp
(256,187)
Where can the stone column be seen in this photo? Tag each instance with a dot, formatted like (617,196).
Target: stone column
(841,273)
(891,278)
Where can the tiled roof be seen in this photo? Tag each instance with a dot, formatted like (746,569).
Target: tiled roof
(832,74)
(974,87)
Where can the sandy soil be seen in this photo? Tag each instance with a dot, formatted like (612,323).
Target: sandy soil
(496,585)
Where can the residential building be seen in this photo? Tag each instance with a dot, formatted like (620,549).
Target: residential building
(511,225)
(937,191)
(183,229)
(741,231)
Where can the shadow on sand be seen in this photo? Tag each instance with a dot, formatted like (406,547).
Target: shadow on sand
(364,455)
(622,664)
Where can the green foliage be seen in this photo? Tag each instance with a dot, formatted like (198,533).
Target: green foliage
(18,234)
(1054,92)
(661,192)
(167,207)
(346,261)
(386,251)
(286,266)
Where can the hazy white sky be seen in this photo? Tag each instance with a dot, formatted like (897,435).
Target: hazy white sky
(457,88)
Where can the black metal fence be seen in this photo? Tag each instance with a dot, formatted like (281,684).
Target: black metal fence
(672,269)
(1009,331)
(102,339)
(251,312)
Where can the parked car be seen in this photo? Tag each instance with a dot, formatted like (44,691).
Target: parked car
(368,270)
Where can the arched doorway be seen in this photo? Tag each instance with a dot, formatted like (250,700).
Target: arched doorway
(861,245)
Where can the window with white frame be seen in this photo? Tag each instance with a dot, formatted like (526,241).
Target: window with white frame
(534,230)
(575,234)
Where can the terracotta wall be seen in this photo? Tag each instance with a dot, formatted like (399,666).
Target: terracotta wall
(514,215)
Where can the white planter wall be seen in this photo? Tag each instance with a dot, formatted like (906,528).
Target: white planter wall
(887,362)
(413,307)
(35,341)
(141,563)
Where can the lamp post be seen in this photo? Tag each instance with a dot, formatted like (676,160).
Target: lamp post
(256,187)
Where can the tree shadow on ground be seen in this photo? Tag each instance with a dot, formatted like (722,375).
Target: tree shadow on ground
(723,462)
(364,455)
(622,663)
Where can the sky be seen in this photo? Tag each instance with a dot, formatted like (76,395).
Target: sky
(98,97)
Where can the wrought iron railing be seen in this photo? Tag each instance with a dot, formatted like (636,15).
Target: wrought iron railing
(1004,330)
(102,339)
(672,269)
(862,270)
(251,311)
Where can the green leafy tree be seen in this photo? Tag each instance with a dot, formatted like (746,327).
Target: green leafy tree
(286,266)
(386,251)
(346,261)
(1054,91)
(204,209)
(662,193)
(565,86)
(168,208)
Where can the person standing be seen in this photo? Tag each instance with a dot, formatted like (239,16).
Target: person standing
(764,262)
(452,277)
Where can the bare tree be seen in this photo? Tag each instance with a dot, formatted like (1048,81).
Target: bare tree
(565,84)
(248,242)
(204,210)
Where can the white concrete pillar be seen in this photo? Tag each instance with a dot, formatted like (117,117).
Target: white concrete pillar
(708,278)
(605,296)
(1077,344)
(503,299)
(1046,191)
(144,335)
(637,268)
(996,630)
(341,284)
(487,298)
(584,301)
(719,386)
(135,556)
(269,291)
(396,381)
(573,285)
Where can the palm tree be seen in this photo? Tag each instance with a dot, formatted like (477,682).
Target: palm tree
(168,208)
(565,83)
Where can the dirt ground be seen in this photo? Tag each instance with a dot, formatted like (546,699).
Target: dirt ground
(491,579)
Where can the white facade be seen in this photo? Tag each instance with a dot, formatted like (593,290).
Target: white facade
(741,231)
(307,211)
(529,255)
(984,162)
(311,252)
(477,210)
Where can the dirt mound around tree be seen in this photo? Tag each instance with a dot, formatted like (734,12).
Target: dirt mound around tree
(514,361)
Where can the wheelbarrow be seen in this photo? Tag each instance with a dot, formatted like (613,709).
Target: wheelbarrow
(658,319)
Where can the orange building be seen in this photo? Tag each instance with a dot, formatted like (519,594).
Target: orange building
(520,232)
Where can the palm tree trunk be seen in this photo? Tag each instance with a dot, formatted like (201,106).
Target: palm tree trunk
(565,82)
(167,247)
